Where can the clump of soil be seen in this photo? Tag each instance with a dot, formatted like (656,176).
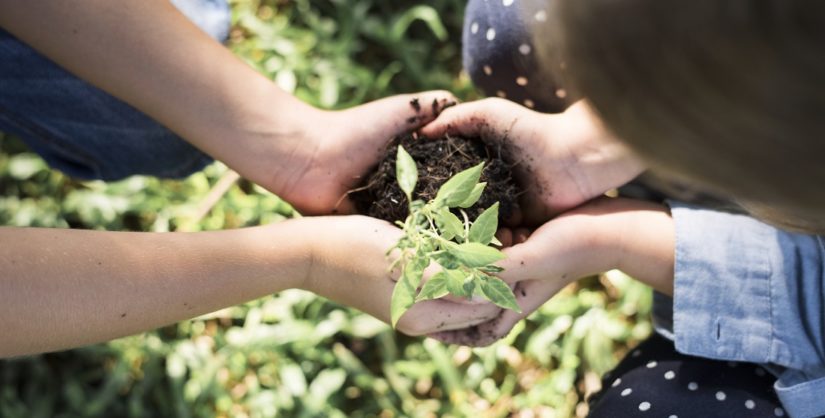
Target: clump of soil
(437,159)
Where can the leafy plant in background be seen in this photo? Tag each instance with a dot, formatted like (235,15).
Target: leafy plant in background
(294,354)
(433,233)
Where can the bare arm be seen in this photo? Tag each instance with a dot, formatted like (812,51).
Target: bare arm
(633,236)
(65,288)
(149,55)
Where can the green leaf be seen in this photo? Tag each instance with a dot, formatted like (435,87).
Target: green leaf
(426,14)
(403,298)
(473,254)
(446,260)
(455,282)
(471,200)
(448,224)
(414,270)
(469,286)
(434,288)
(458,188)
(406,172)
(484,228)
(403,295)
(498,292)
(492,269)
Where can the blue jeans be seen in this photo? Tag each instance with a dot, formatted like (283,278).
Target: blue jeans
(85,132)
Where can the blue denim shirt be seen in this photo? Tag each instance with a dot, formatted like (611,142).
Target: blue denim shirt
(747,291)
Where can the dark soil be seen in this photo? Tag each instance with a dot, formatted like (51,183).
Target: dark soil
(437,159)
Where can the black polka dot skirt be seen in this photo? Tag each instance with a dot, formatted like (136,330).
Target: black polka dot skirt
(654,380)
(500,57)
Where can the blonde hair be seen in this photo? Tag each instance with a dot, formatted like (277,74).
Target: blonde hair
(728,94)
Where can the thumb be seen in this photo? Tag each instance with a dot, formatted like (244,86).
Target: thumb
(395,115)
(478,118)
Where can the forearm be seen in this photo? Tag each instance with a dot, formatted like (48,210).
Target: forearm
(65,288)
(633,236)
(149,55)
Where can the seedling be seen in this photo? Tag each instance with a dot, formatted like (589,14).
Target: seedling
(462,249)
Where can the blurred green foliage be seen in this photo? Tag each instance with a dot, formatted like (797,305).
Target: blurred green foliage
(294,354)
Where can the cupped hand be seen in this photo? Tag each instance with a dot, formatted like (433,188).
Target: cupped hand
(634,236)
(350,266)
(339,147)
(561,160)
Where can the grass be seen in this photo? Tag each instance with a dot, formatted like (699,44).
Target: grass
(294,354)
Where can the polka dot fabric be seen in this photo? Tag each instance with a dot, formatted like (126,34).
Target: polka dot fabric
(656,381)
(500,58)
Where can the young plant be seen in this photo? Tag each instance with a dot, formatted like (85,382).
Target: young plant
(433,233)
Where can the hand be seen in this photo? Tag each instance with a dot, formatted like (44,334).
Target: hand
(350,267)
(337,148)
(636,237)
(562,159)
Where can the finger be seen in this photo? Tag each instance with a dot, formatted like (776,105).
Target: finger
(520,235)
(472,119)
(408,112)
(440,315)
(505,236)
(530,295)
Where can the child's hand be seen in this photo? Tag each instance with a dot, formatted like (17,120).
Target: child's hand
(350,266)
(333,150)
(562,160)
(636,237)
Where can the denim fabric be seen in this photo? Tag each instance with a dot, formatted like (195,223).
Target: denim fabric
(747,291)
(85,132)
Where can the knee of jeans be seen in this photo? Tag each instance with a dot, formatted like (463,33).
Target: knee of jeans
(213,16)
(104,154)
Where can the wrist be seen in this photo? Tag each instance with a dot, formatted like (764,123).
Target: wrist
(646,246)
(265,135)
(284,250)
(603,160)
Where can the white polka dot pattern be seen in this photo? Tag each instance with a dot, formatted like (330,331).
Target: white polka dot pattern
(720,396)
(491,34)
(644,406)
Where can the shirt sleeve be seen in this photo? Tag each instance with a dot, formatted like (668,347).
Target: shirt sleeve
(747,291)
